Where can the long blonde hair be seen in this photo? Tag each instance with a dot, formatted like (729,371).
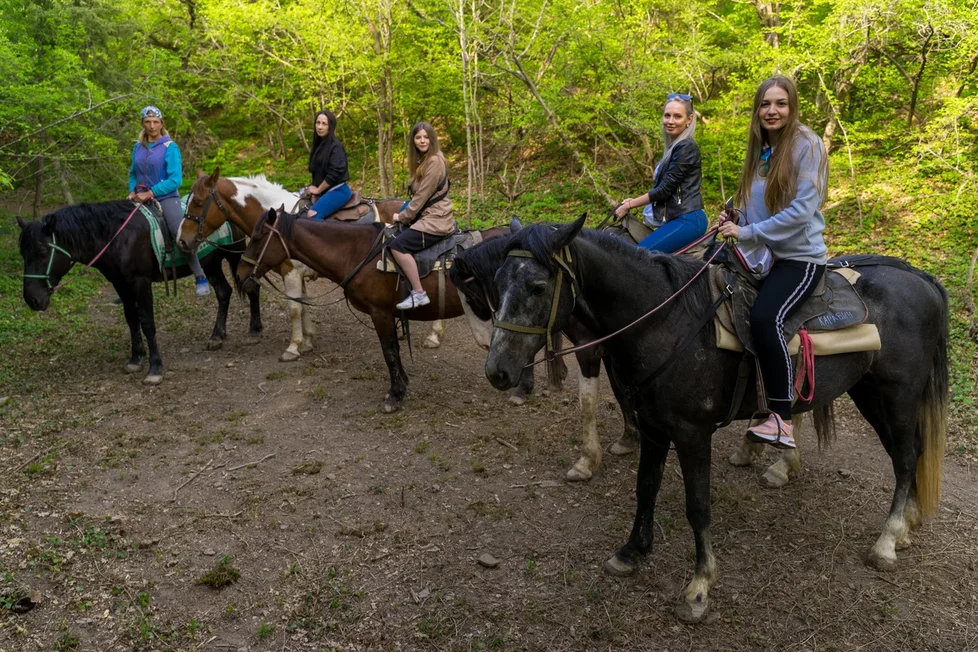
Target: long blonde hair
(142,134)
(668,141)
(782,177)
(416,159)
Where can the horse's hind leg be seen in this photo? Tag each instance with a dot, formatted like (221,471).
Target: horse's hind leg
(308,326)
(144,305)
(893,415)
(293,288)
(630,436)
(386,333)
(433,341)
(223,292)
(694,459)
(778,474)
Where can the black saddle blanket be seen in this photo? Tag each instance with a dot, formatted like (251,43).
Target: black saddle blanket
(837,306)
(438,256)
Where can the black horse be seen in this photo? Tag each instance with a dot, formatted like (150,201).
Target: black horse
(76,234)
(901,390)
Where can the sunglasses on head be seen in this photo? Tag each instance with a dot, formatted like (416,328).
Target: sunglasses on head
(679,96)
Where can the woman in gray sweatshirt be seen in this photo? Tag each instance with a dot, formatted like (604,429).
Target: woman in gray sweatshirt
(782,187)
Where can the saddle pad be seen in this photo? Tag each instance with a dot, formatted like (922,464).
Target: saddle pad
(839,306)
(436,257)
(223,236)
(861,337)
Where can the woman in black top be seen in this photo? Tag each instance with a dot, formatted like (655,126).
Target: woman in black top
(327,165)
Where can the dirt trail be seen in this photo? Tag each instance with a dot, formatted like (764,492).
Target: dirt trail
(358,530)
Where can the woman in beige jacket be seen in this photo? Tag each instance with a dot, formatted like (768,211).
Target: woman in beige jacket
(428,214)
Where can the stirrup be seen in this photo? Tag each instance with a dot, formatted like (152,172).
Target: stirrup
(759,434)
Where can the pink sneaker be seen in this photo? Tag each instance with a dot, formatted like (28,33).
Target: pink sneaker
(774,431)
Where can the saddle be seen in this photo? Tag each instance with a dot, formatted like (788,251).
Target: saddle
(437,257)
(357,210)
(637,230)
(834,316)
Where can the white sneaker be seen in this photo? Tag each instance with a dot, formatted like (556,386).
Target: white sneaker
(414,300)
(203,288)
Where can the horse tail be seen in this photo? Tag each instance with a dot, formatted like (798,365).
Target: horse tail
(824,418)
(556,369)
(932,418)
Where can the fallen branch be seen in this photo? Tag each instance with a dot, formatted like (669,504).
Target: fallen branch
(207,467)
(507,444)
(37,455)
(251,464)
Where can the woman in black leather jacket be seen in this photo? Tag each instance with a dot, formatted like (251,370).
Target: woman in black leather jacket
(677,206)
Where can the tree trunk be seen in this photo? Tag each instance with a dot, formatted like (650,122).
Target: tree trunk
(380,30)
(65,189)
(38,186)
(770,15)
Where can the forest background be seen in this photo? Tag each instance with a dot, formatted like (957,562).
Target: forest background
(545,108)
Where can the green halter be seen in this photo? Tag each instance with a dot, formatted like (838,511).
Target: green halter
(47,275)
(563,260)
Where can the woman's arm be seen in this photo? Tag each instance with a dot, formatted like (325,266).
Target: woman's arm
(132,170)
(434,172)
(174,172)
(797,214)
(685,159)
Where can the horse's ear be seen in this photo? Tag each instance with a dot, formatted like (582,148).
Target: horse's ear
(201,173)
(49,223)
(461,267)
(272,216)
(515,224)
(21,223)
(565,233)
(215,176)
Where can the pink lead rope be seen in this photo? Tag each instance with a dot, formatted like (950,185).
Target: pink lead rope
(99,254)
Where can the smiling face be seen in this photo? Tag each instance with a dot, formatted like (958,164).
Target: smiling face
(322,125)
(675,118)
(421,141)
(774,111)
(153,127)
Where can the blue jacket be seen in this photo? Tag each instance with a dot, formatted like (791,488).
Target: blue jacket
(158,167)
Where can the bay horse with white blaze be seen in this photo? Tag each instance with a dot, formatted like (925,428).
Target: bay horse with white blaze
(901,390)
(76,234)
(347,254)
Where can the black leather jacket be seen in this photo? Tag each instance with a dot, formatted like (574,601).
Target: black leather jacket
(677,191)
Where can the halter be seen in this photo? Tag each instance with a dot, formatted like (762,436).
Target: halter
(199,219)
(253,275)
(46,276)
(563,260)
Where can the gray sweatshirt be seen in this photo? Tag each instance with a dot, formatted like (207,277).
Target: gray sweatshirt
(794,233)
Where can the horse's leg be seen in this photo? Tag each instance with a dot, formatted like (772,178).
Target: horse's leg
(893,416)
(788,464)
(587,390)
(523,390)
(255,327)
(630,437)
(132,319)
(747,453)
(693,452)
(433,341)
(387,334)
(293,288)
(144,304)
(215,275)
(308,327)
(651,464)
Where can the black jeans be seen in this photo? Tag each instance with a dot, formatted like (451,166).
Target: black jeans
(785,289)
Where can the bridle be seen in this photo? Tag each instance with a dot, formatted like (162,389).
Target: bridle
(253,274)
(46,276)
(563,261)
(199,219)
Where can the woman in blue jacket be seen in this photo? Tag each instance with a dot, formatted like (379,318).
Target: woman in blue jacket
(156,173)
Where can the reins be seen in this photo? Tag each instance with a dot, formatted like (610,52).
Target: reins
(54,248)
(199,220)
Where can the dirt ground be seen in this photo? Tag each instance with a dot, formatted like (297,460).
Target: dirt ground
(355,530)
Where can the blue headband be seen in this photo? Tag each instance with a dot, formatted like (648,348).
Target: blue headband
(150,112)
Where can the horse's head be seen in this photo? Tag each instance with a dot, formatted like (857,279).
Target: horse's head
(45,262)
(535,289)
(267,248)
(206,211)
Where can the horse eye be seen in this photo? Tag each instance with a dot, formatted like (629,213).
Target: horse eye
(538,289)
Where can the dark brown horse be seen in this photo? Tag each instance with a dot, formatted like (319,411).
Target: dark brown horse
(242,200)
(347,254)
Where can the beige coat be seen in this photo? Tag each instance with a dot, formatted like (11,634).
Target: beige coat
(437,219)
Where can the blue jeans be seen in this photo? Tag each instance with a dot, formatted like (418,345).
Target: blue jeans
(331,201)
(679,232)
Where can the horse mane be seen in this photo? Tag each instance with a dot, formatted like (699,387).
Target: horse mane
(267,193)
(482,261)
(78,228)
(675,270)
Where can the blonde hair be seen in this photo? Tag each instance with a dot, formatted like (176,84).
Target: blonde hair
(416,159)
(670,143)
(782,178)
(143,140)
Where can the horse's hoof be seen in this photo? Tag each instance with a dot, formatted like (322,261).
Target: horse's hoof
(132,368)
(288,356)
(617,568)
(904,543)
(306,346)
(578,475)
(693,612)
(153,379)
(619,448)
(253,338)
(883,563)
(214,345)
(390,406)
(516,399)
(773,479)
(431,342)
(740,459)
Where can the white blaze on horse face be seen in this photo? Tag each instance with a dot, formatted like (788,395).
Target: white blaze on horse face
(266,193)
(481,330)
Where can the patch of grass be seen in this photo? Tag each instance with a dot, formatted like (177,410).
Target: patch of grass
(276,375)
(308,468)
(67,641)
(265,630)
(221,576)
(235,416)
(320,393)
(422,447)
(255,439)
(478,466)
